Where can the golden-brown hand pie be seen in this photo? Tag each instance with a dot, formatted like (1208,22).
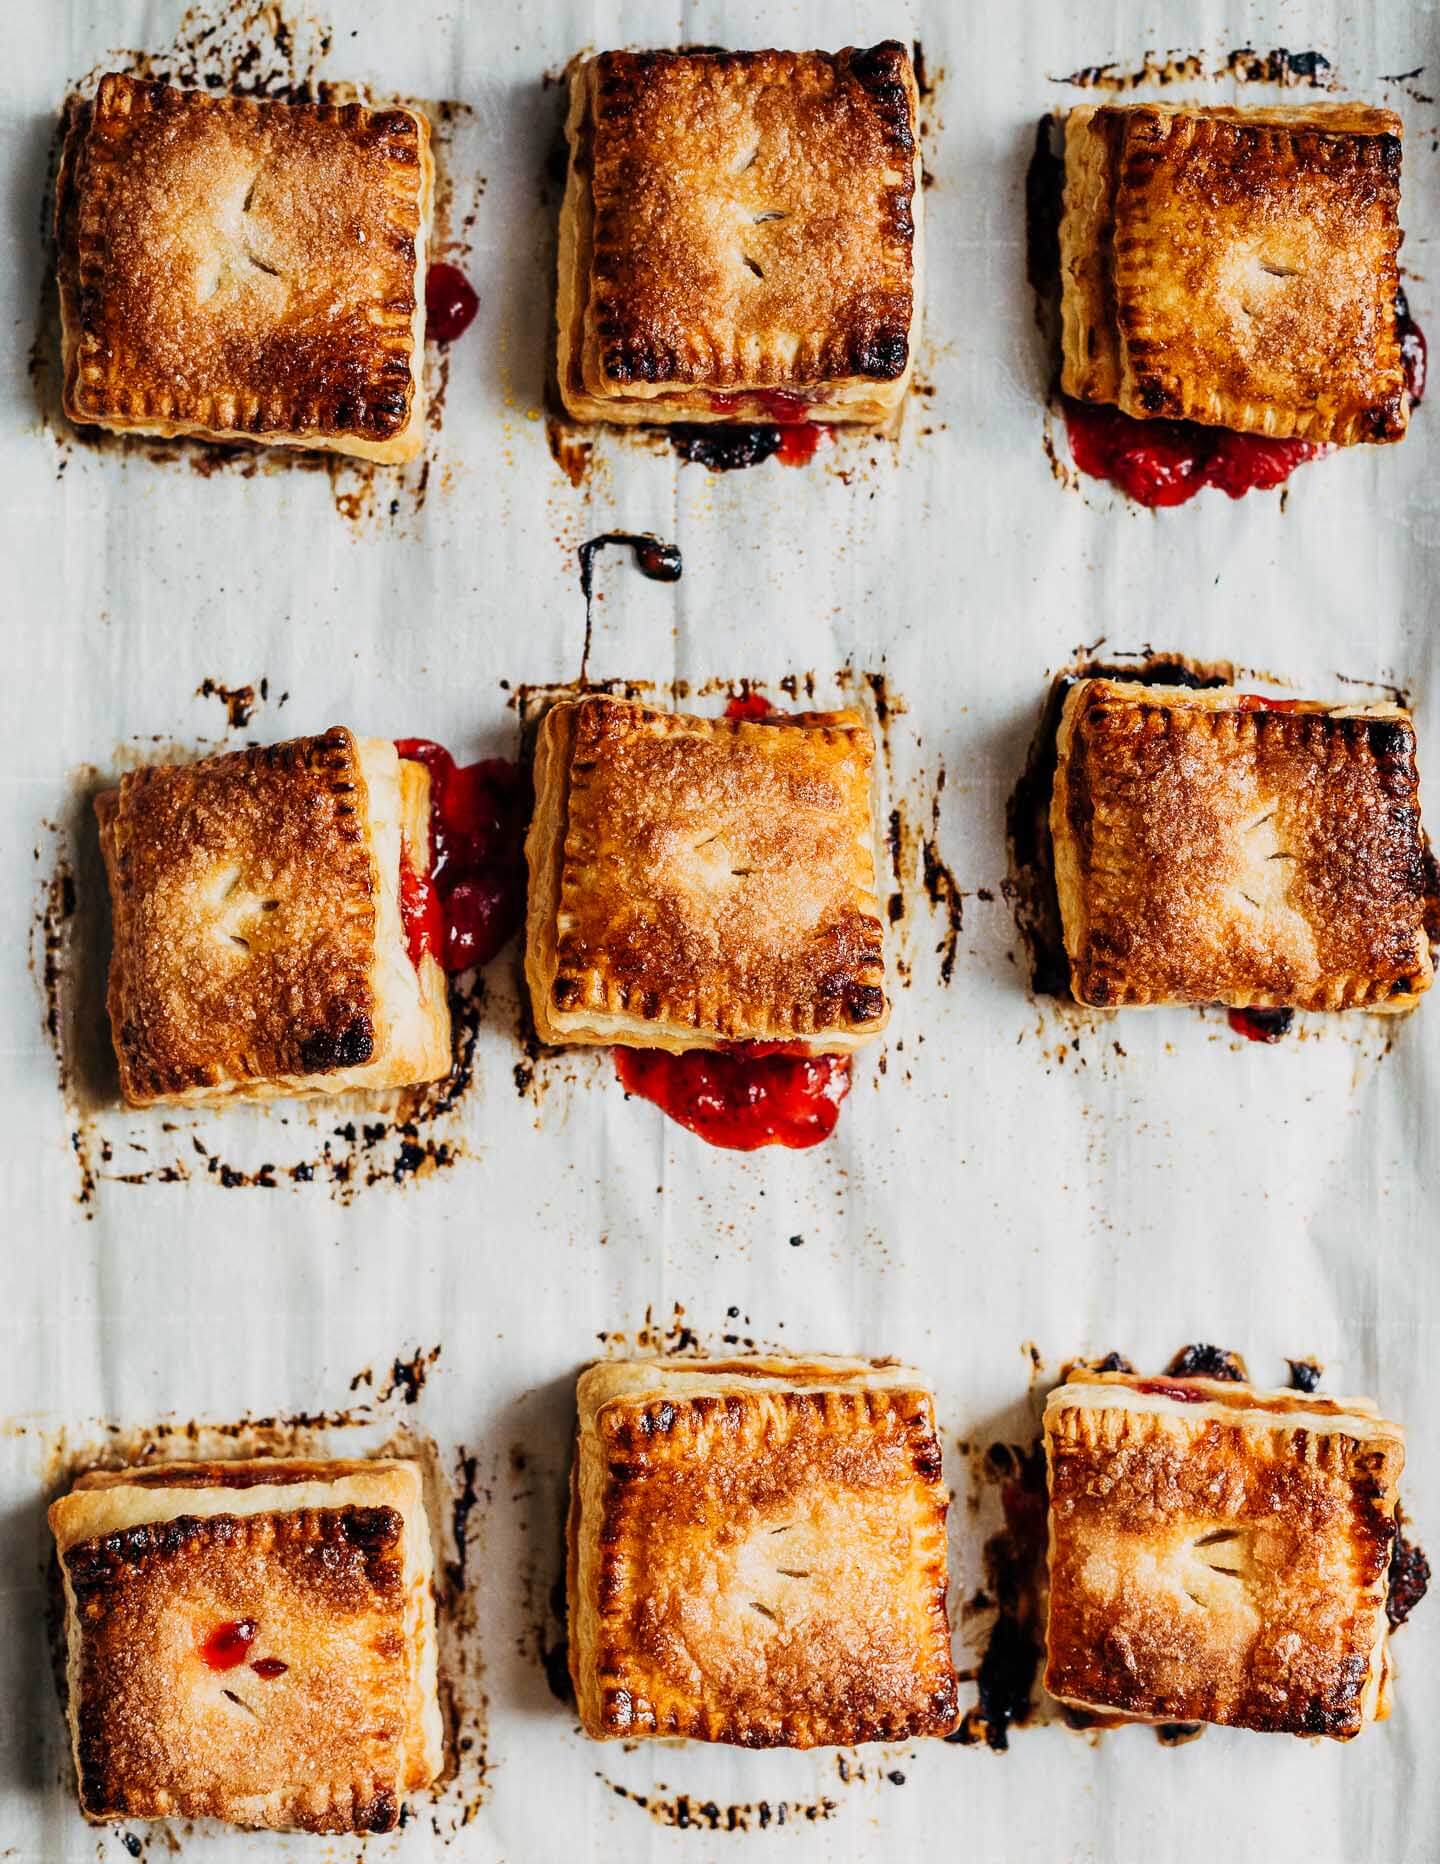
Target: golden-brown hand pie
(1216,847)
(757,1554)
(250,1641)
(243,269)
(1236,267)
(1218,1553)
(259,948)
(737,227)
(697,881)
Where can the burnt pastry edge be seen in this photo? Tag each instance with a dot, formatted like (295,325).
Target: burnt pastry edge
(389,428)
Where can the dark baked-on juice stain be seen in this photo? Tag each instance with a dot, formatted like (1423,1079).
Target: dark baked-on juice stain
(707,1815)
(1409,1575)
(1015,1574)
(1258,1025)
(1245,65)
(1305,1374)
(661,562)
(723,449)
(1044,193)
(241,703)
(941,888)
(1200,1361)
(1030,884)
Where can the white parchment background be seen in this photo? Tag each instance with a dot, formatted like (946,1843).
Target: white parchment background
(1011,1177)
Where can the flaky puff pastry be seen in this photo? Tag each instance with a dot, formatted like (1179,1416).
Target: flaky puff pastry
(234,268)
(250,1641)
(697,881)
(740,222)
(757,1553)
(258,945)
(1218,1553)
(1236,267)
(1216,847)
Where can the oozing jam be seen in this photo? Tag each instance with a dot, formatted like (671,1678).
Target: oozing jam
(473,899)
(787,432)
(1260,702)
(1160,463)
(750,1095)
(747,1094)
(228,1645)
(1260,1025)
(785,410)
(450,303)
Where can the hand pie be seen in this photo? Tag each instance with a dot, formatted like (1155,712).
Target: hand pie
(1215,847)
(740,236)
(260,947)
(250,1641)
(757,1554)
(698,881)
(1218,1553)
(1236,267)
(239,269)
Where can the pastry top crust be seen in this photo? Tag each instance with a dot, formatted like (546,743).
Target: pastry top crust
(318,1745)
(1211,848)
(753,215)
(769,1562)
(1239,267)
(242,266)
(243,891)
(715,875)
(1219,1554)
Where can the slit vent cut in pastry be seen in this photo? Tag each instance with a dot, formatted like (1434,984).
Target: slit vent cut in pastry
(259,949)
(700,881)
(1236,267)
(737,226)
(757,1553)
(250,1641)
(233,268)
(1219,1553)
(1217,847)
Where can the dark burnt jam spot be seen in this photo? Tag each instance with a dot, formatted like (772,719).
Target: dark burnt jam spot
(471,902)
(1112,1362)
(1207,1362)
(268,1668)
(1409,1577)
(1260,1025)
(741,1098)
(1159,463)
(1414,351)
(227,1645)
(1014,1570)
(721,448)
(1305,1375)
(450,303)
(1044,192)
(659,561)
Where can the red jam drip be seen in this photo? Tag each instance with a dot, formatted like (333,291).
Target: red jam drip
(228,1645)
(450,303)
(1260,1025)
(1259,702)
(1186,1394)
(771,404)
(799,445)
(268,1668)
(1160,463)
(748,705)
(476,884)
(754,1094)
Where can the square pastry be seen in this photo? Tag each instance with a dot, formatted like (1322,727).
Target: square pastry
(698,881)
(250,1641)
(259,946)
(240,269)
(740,236)
(1217,847)
(1236,267)
(1219,1553)
(757,1554)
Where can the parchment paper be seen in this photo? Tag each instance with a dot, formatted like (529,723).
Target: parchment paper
(1003,1174)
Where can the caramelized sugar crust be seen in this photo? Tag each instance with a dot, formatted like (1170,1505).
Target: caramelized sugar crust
(1208,852)
(244,268)
(1236,267)
(701,880)
(760,1565)
(1213,1560)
